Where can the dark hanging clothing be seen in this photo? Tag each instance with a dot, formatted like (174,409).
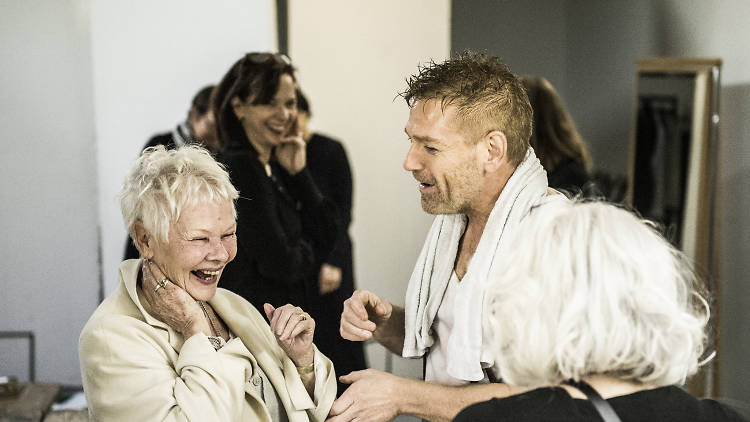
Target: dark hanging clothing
(327,161)
(284,227)
(569,176)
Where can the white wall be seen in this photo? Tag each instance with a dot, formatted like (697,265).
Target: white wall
(353,58)
(149,59)
(49,281)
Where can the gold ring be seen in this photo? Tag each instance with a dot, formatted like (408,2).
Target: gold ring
(302,316)
(162,284)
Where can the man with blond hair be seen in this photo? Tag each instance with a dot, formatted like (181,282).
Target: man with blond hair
(469,126)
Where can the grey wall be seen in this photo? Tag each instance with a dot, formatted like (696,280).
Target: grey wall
(48,215)
(594,69)
(605,39)
(529,38)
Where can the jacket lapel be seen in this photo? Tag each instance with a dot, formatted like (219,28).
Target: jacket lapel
(247,324)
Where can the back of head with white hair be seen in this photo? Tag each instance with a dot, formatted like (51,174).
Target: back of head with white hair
(592,289)
(164,182)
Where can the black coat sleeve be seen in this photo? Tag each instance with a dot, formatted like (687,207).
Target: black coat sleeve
(341,194)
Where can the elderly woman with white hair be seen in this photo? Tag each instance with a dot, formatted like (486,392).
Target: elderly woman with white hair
(596,304)
(168,344)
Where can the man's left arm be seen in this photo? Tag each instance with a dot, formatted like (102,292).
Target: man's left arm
(379,396)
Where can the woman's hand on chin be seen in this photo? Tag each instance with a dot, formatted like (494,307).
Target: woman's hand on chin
(292,153)
(294,330)
(171,304)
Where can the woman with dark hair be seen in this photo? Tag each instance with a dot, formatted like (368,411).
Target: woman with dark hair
(286,226)
(555,139)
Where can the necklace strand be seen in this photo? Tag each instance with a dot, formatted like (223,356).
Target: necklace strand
(214,331)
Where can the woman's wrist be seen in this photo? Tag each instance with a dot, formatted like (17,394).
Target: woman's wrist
(305,360)
(293,168)
(192,329)
(307,369)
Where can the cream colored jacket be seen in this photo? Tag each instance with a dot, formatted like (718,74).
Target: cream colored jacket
(136,368)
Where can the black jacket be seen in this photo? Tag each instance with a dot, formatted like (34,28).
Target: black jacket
(285,227)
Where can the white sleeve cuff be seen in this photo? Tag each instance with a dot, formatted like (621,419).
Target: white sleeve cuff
(320,376)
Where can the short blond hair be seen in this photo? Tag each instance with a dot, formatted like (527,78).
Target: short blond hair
(164,182)
(486,94)
(592,289)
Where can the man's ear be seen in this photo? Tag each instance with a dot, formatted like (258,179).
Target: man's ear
(496,146)
(143,240)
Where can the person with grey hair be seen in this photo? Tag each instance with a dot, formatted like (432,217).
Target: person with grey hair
(168,344)
(596,304)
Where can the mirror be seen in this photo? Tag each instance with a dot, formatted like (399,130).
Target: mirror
(674,168)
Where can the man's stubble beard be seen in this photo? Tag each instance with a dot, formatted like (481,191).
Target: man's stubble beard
(463,186)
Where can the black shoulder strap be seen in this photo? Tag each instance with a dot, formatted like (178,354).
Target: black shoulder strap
(491,376)
(602,406)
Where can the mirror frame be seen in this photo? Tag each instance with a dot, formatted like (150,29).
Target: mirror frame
(700,228)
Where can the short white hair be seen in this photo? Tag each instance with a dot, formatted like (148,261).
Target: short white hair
(164,182)
(592,289)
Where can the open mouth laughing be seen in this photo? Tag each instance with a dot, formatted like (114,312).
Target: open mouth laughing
(206,276)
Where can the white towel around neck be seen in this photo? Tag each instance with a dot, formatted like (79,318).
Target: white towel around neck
(526,188)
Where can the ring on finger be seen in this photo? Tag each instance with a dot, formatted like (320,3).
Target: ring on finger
(162,284)
(301,316)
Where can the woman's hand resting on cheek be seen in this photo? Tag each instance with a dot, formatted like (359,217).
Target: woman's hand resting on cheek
(292,153)
(171,304)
